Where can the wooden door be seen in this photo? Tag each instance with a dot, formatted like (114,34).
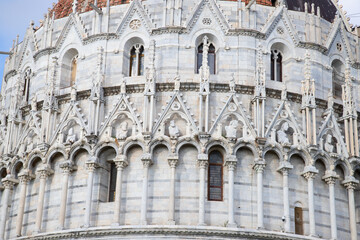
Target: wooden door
(299,229)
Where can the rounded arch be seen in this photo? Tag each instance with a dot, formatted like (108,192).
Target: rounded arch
(285,48)
(275,149)
(324,158)
(249,145)
(158,142)
(100,147)
(130,39)
(344,166)
(76,148)
(55,151)
(216,143)
(16,168)
(33,156)
(184,142)
(68,67)
(213,36)
(303,155)
(131,143)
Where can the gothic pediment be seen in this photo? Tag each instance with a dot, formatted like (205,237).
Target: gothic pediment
(233,121)
(205,10)
(74,22)
(175,119)
(73,116)
(28,48)
(283,128)
(330,138)
(134,18)
(338,35)
(123,118)
(280,21)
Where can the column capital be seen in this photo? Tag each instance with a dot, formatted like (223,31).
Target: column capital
(67,167)
(91,165)
(259,165)
(231,162)
(350,182)
(8,182)
(173,161)
(285,167)
(25,176)
(44,172)
(203,160)
(330,177)
(309,172)
(146,160)
(121,162)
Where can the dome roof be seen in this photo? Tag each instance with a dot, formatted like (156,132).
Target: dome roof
(327,9)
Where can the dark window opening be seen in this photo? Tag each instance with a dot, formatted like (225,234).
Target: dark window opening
(211,58)
(276,66)
(112,186)
(215,176)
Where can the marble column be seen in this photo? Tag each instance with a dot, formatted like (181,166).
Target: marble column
(309,174)
(350,183)
(284,168)
(259,167)
(91,165)
(146,160)
(24,178)
(120,163)
(203,164)
(67,167)
(231,162)
(8,184)
(43,174)
(172,163)
(330,179)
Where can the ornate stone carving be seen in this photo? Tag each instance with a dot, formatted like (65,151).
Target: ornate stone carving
(122,132)
(328,144)
(177,83)
(282,137)
(71,136)
(135,24)
(173,130)
(232,129)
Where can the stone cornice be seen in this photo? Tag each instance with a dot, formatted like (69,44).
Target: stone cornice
(201,232)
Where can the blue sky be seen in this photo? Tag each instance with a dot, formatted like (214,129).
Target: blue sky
(17,14)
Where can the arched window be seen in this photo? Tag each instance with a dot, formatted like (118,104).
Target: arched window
(112,184)
(338,78)
(73,71)
(211,58)
(299,228)
(136,61)
(215,176)
(26,89)
(276,66)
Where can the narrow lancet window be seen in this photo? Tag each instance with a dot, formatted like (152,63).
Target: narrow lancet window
(276,66)
(215,176)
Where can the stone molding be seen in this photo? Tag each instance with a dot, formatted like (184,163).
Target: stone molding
(202,232)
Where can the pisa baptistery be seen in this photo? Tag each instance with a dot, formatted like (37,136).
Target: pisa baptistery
(182,119)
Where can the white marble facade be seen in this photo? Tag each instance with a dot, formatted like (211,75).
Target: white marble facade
(108,125)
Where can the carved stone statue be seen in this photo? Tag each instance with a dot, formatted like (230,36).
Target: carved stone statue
(281,134)
(284,93)
(328,144)
(177,83)
(71,137)
(330,100)
(29,145)
(173,130)
(231,129)
(122,132)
